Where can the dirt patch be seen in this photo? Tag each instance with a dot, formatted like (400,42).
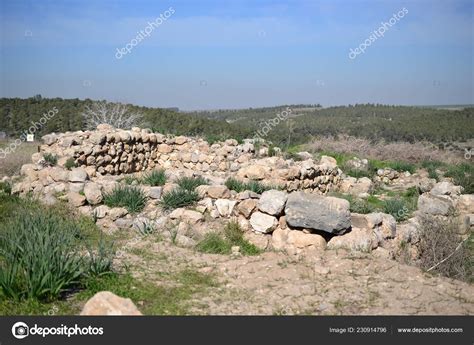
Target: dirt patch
(273,283)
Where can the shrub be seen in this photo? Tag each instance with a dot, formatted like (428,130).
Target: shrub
(443,251)
(190,183)
(5,188)
(397,207)
(70,163)
(154,178)
(38,256)
(271,151)
(132,198)
(178,198)
(50,159)
(462,175)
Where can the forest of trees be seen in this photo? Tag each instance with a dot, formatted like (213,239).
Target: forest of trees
(392,123)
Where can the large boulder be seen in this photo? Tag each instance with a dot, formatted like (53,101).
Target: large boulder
(445,188)
(437,205)
(272,202)
(107,303)
(318,212)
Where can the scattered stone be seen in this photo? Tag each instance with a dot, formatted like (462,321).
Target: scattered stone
(225,207)
(262,222)
(107,303)
(92,193)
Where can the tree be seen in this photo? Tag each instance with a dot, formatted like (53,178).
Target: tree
(116,114)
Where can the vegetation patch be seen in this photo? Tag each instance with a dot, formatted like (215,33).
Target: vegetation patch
(50,159)
(132,198)
(190,183)
(43,253)
(462,175)
(233,235)
(70,163)
(444,252)
(253,186)
(154,178)
(178,197)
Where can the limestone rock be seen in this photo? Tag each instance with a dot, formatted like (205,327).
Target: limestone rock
(262,222)
(272,202)
(107,303)
(317,212)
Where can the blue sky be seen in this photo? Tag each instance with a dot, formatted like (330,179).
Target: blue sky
(234,54)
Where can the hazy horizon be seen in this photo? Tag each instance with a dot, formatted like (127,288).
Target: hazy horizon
(239,54)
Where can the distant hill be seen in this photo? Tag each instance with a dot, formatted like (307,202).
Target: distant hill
(372,121)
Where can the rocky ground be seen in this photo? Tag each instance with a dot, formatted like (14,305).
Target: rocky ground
(322,250)
(335,282)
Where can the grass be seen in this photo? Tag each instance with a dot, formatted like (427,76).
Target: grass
(190,183)
(215,243)
(170,297)
(462,175)
(151,299)
(51,159)
(254,186)
(5,188)
(154,178)
(11,164)
(132,198)
(43,251)
(154,299)
(178,198)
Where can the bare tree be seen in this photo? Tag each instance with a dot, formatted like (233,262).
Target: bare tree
(116,114)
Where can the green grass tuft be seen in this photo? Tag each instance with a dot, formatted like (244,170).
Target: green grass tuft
(215,243)
(132,198)
(178,198)
(154,178)
(190,183)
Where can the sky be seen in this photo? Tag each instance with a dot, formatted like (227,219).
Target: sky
(214,54)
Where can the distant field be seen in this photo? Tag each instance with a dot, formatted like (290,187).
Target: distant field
(11,164)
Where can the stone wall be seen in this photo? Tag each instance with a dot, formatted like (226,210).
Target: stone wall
(110,151)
